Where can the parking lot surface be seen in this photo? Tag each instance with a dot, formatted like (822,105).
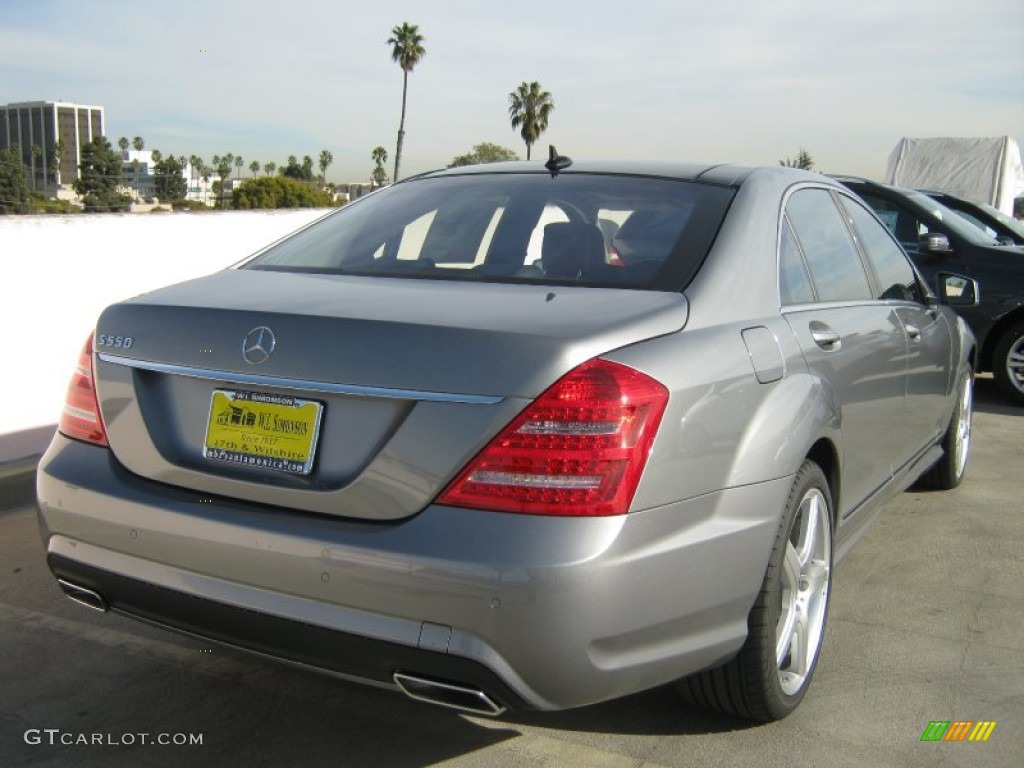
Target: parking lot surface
(926,624)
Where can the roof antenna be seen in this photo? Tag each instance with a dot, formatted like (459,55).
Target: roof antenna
(556,162)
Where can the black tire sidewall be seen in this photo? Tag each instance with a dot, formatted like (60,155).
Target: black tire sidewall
(778,703)
(999,357)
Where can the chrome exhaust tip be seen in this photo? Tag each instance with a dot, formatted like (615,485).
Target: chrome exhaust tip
(83,595)
(470,700)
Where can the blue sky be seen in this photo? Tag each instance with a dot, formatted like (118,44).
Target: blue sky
(746,81)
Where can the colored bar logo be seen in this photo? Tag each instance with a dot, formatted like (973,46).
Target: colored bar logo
(958,730)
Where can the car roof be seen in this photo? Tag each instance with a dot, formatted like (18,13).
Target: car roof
(726,174)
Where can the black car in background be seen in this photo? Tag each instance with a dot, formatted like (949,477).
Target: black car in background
(1006,230)
(940,242)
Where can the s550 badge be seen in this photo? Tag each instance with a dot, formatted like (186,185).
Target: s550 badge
(117,342)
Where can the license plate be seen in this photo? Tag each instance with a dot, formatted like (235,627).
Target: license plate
(264,431)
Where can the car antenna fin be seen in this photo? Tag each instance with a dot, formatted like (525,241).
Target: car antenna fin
(556,162)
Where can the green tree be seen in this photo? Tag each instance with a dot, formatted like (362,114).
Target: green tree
(99,176)
(169,179)
(157,156)
(379,175)
(326,158)
(803,160)
(279,192)
(407,49)
(254,168)
(529,108)
(484,153)
(123,143)
(56,158)
(14,194)
(239,164)
(298,172)
(269,168)
(222,167)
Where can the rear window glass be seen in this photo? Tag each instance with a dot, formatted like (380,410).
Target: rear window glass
(588,229)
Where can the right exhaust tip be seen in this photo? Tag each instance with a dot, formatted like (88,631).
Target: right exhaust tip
(470,700)
(87,597)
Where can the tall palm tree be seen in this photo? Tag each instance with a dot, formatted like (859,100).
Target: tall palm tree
(239,162)
(254,167)
(326,158)
(407,49)
(529,108)
(269,168)
(196,162)
(56,158)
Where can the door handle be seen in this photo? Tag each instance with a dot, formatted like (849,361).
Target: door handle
(913,332)
(825,337)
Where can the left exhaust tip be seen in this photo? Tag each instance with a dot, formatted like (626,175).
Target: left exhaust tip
(87,597)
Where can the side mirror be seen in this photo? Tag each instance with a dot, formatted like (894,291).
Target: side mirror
(934,242)
(957,290)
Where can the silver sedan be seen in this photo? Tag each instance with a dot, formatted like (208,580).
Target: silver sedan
(518,436)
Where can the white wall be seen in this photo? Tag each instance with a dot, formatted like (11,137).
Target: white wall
(57,273)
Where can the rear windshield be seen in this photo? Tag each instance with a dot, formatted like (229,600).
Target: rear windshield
(588,229)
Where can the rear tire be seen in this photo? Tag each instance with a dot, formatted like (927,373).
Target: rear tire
(770,675)
(948,472)
(1008,363)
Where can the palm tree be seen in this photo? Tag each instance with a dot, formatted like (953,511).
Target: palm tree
(204,173)
(196,162)
(254,167)
(407,49)
(123,144)
(529,108)
(326,158)
(239,162)
(139,145)
(56,158)
(269,168)
(379,175)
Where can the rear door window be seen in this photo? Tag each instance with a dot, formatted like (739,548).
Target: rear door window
(894,276)
(836,269)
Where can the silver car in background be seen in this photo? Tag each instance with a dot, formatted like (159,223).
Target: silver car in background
(518,436)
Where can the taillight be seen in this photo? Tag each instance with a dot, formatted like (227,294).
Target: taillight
(81,416)
(578,449)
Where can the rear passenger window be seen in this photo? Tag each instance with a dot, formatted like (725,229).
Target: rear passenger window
(896,278)
(836,269)
(794,283)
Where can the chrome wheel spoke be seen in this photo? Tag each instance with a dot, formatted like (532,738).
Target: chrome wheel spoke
(789,615)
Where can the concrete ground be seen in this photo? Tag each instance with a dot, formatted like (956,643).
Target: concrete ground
(927,623)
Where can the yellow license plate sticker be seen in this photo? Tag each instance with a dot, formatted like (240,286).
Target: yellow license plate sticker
(261,430)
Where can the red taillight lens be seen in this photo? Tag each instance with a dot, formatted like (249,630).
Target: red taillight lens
(578,449)
(81,417)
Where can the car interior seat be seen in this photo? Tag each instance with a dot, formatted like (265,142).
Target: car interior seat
(571,249)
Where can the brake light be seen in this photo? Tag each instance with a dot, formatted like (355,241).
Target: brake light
(578,449)
(81,416)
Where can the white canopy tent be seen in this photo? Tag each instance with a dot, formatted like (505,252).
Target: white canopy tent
(985,170)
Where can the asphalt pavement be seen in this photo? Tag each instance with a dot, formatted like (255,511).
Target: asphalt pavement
(926,624)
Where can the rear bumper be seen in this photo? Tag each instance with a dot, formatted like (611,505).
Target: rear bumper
(538,612)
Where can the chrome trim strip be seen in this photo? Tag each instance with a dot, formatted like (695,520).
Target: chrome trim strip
(303,385)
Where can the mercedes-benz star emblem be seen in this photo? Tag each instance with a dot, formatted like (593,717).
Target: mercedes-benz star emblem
(258,345)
